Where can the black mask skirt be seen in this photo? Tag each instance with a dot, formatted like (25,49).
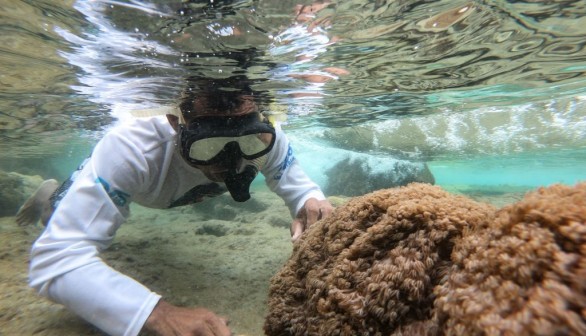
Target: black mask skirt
(226,141)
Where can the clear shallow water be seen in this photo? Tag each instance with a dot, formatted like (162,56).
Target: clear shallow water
(490,95)
(483,92)
(508,171)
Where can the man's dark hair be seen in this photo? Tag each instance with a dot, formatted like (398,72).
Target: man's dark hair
(224,94)
(221,94)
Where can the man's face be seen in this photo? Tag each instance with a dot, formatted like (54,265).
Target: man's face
(246,106)
(215,172)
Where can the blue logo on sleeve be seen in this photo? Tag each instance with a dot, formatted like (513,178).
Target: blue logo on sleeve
(119,198)
(285,164)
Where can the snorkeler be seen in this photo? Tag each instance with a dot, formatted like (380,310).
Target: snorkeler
(219,142)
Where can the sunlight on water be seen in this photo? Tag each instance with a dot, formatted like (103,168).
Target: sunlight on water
(399,59)
(415,81)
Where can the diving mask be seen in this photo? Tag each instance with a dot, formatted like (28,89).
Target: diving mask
(208,140)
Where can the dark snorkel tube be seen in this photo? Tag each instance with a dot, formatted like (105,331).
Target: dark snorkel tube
(238,183)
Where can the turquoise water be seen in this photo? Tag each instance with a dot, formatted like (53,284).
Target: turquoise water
(528,169)
(483,94)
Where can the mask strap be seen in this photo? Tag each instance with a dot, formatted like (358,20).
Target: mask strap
(180,116)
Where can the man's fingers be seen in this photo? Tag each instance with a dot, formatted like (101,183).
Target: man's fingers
(311,210)
(219,327)
(313,215)
(326,209)
(297,228)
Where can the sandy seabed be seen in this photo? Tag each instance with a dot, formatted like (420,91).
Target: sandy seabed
(217,254)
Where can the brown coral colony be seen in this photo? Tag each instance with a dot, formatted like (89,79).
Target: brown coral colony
(417,260)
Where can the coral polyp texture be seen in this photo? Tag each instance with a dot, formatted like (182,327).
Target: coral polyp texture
(524,274)
(417,260)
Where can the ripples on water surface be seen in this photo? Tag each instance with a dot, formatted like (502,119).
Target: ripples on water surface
(471,87)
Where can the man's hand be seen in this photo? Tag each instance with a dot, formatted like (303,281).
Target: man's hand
(312,211)
(168,320)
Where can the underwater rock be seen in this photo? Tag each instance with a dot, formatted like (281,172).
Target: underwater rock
(357,138)
(243,231)
(277,220)
(14,191)
(358,176)
(417,260)
(9,122)
(224,212)
(224,207)
(217,230)
(403,139)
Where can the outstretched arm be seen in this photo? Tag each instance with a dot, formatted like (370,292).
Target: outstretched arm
(66,267)
(65,264)
(304,197)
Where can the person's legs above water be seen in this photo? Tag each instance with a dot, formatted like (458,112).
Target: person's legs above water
(38,206)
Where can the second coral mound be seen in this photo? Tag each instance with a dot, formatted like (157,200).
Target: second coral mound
(417,260)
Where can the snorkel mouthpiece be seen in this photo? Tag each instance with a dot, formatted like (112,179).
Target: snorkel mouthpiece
(238,184)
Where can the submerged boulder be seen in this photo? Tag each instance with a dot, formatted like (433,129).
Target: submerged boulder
(355,176)
(14,190)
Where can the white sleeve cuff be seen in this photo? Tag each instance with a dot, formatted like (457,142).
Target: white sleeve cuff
(111,301)
(317,194)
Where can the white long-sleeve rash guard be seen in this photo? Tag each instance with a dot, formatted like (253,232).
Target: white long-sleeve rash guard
(136,162)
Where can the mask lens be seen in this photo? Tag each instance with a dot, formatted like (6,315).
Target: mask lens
(206,149)
(250,145)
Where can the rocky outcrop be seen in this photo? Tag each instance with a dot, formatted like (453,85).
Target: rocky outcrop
(359,176)
(14,190)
